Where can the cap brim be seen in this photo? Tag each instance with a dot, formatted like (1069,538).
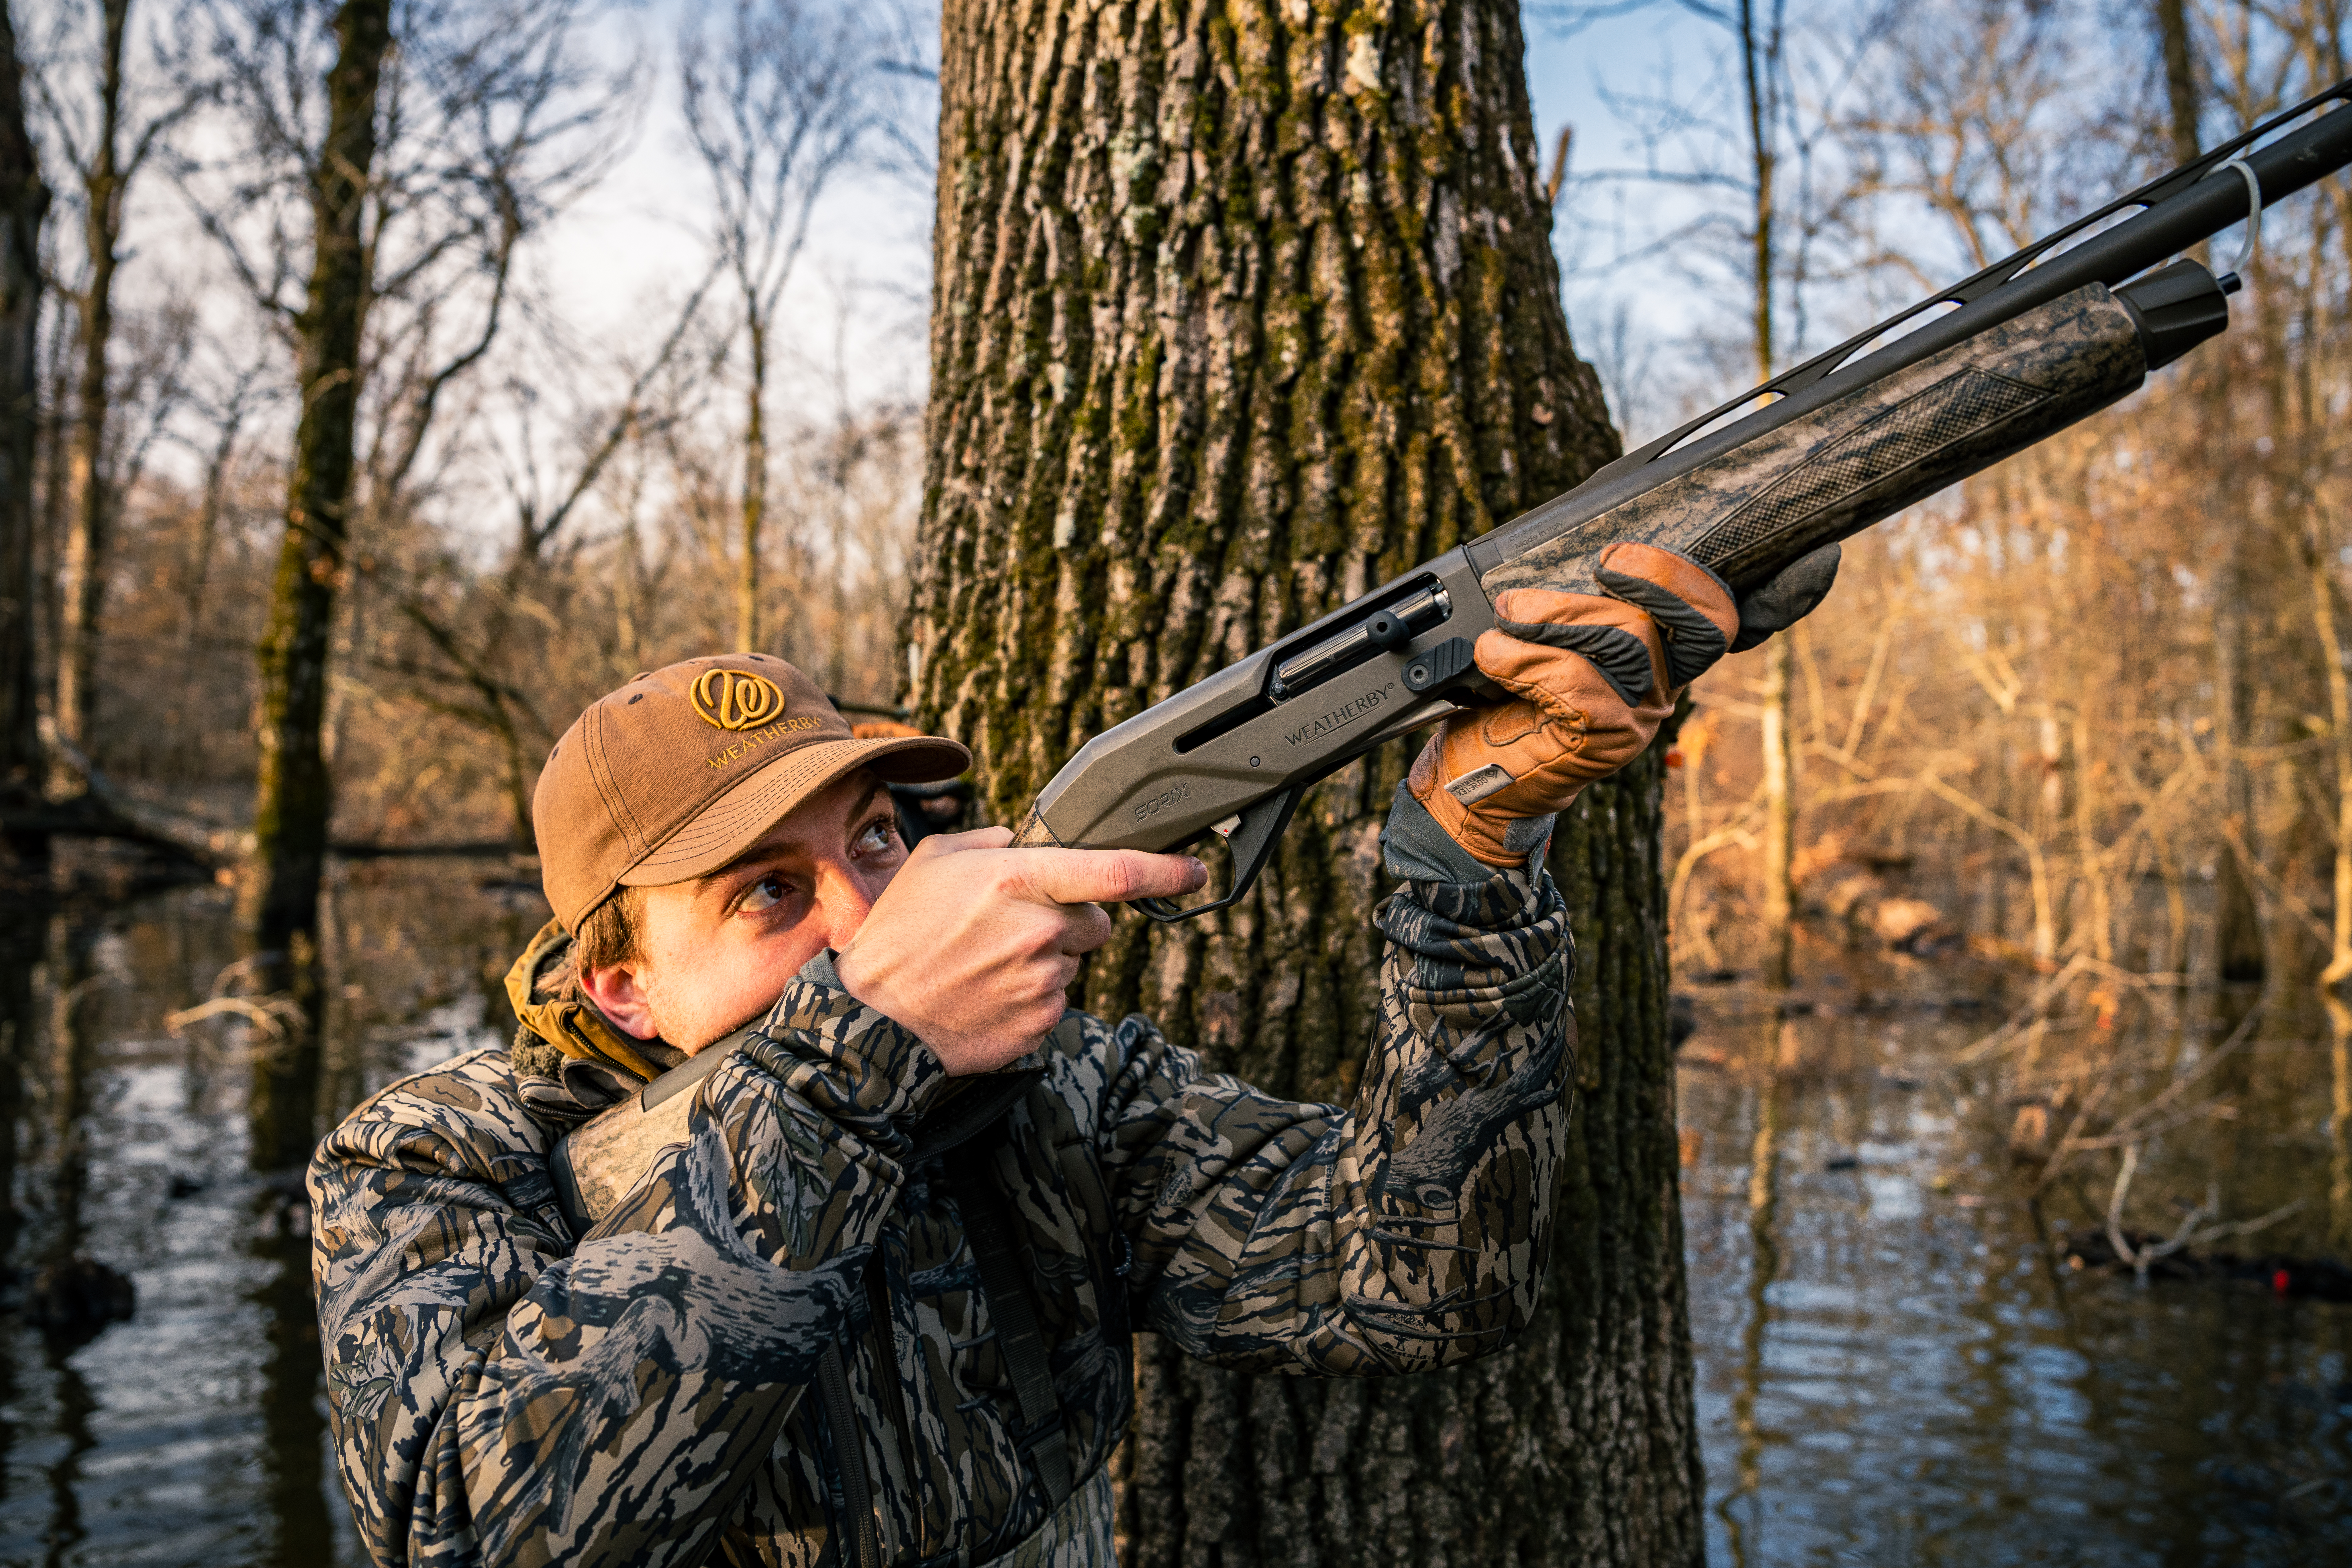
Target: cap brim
(735,821)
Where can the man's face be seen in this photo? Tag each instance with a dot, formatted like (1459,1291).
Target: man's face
(714,952)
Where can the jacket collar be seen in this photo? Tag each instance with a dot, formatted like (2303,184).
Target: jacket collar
(570,1025)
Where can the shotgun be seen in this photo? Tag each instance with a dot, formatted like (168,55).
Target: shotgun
(2023,349)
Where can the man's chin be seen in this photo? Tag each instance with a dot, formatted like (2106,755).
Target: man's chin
(702,1034)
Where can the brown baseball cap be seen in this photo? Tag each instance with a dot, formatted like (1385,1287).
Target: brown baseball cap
(684,767)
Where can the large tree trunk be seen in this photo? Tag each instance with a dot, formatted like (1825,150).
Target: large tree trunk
(89,542)
(1239,311)
(294,795)
(23,201)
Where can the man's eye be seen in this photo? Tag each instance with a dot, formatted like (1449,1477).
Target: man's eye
(764,894)
(880,834)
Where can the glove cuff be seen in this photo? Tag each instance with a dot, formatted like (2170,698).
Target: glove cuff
(1504,843)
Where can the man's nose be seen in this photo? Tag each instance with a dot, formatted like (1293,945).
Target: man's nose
(842,901)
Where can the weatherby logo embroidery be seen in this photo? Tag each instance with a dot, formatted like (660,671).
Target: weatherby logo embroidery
(736,699)
(757,739)
(750,704)
(1340,718)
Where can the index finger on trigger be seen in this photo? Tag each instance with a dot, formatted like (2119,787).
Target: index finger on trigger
(1110,876)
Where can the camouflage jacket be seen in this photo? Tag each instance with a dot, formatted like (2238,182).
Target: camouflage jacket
(501,1394)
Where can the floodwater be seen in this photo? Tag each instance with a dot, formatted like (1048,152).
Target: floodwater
(1898,1364)
(195,1432)
(1893,1365)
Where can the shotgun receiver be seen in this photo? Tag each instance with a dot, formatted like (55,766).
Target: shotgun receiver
(2025,348)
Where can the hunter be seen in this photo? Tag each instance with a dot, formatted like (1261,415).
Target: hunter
(876,1307)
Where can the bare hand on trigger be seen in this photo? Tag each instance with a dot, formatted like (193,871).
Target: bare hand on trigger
(973,943)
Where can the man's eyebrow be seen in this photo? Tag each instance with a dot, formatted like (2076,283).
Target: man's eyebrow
(763,852)
(754,854)
(872,789)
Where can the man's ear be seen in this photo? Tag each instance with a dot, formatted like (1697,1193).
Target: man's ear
(622,1000)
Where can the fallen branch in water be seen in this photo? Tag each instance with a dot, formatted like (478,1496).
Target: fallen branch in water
(2141,1257)
(1979,1050)
(106,811)
(2132,1127)
(279,1016)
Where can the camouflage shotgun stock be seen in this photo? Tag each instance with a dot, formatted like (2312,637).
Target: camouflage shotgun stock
(2029,346)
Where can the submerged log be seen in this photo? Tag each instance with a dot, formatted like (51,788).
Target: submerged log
(79,1295)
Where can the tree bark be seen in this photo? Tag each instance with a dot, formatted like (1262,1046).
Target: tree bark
(89,537)
(1238,311)
(294,795)
(23,201)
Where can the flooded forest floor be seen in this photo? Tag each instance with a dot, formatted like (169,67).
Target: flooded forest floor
(1912,1345)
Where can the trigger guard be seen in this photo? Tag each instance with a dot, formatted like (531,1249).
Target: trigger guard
(1252,848)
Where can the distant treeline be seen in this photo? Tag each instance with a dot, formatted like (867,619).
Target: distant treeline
(335,520)
(2092,703)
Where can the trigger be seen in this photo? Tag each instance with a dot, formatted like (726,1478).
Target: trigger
(1251,835)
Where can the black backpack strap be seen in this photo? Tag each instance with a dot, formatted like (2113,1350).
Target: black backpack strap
(862,1545)
(988,1226)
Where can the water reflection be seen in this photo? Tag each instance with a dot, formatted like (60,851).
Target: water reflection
(1894,1368)
(1735,1507)
(19,954)
(196,1431)
(2339,1126)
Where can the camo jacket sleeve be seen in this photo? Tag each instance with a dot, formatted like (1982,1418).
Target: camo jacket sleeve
(499,1397)
(1408,1231)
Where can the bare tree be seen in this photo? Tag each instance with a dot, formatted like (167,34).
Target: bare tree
(224,413)
(293,798)
(23,201)
(90,113)
(776,107)
(1762,46)
(472,675)
(1769,249)
(414,202)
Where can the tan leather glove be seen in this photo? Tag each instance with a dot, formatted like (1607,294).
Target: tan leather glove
(1591,680)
